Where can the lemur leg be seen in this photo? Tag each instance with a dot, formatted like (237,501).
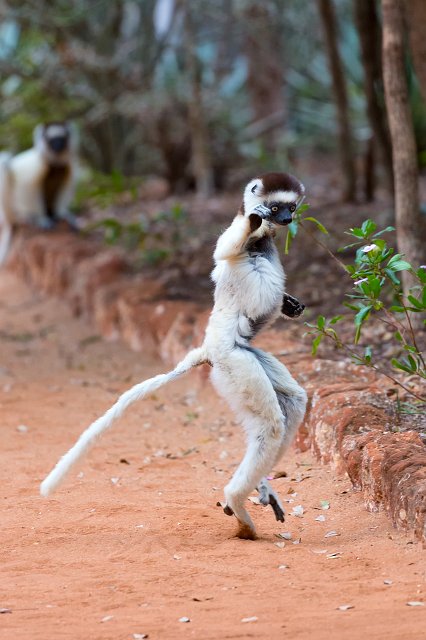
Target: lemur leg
(292,401)
(242,381)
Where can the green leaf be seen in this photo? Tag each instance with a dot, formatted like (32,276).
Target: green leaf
(347,246)
(416,303)
(287,245)
(400,265)
(367,354)
(375,286)
(412,362)
(292,230)
(396,309)
(355,231)
(357,334)
(303,207)
(408,347)
(421,274)
(399,365)
(398,336)
(392,276)
(335,319)
(318,224)
(368,227)
(320,322)
(316,343)
(379,233)
(362,315)
(352,307)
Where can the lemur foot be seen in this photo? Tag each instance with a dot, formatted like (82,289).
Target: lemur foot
(291,306)
(268,496)
(43,223)
(246,529)
(226,509)
(70,219)
(277,509)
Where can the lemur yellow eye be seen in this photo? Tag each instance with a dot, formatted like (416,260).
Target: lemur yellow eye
(274,209)
(292,208)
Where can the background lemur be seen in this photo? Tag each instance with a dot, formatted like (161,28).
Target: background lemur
(249,295)
(37,185)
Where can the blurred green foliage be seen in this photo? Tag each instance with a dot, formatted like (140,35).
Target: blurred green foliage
(153,238)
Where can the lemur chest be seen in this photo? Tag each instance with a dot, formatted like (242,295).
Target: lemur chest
(253,284)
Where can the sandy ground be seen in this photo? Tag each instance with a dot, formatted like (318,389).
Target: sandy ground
(134,542)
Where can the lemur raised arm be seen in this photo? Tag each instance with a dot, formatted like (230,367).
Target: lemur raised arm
(37,185)
(249,295)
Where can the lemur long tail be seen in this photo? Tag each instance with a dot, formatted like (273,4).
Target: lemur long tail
(88,437)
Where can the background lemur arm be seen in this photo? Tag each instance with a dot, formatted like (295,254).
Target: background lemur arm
(232,242)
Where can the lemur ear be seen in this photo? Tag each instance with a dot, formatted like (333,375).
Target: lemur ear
(254,187)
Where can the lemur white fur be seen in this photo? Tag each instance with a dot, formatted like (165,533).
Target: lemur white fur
(37,185)
(249,294)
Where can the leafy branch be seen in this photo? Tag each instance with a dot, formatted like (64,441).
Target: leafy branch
(376,292)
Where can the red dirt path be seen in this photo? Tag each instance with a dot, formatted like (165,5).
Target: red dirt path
(126,549)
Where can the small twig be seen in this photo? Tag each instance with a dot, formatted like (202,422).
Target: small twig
(375,367)
(324,246)
(412,333)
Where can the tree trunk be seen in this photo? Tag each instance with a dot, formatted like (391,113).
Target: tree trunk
(407,209)
(265,75)
(369,33)
(415,11)
(346,145)
(200,149)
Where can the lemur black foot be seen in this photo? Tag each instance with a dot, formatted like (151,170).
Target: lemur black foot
(291,306)
(70,219)
(267,496)
(227,510)
(277,509)
(43,222)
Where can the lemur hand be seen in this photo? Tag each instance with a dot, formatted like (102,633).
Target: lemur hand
(291,306)
(261,213)
(255,221)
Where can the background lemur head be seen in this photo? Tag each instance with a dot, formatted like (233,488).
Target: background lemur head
(281,193)
(54,140)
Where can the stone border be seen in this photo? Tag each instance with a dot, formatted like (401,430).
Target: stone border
(349,424)
(98,283)
(351,427)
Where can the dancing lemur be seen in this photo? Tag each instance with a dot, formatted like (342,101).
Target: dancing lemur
(37,185)
(249,295)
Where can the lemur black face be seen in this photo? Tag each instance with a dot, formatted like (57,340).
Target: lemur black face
(57,137)
(58,144)
(282,212)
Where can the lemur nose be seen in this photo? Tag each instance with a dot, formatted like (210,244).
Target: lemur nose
(283,217)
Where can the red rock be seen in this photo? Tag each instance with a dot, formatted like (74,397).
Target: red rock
(185,333)
(337,411)
(91,274)
(390,469)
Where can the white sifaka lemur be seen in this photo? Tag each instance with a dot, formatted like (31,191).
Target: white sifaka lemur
(249,295)
(37,185)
